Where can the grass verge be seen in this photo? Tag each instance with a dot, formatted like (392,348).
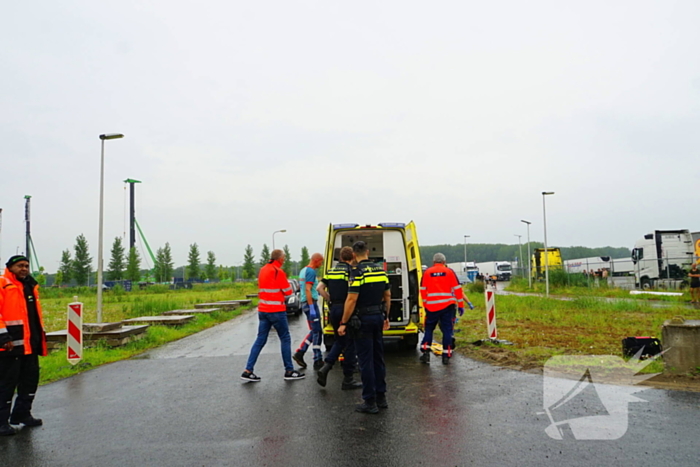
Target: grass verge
(579,289)
(540,328)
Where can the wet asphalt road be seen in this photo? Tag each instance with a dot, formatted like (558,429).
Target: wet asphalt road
(184,404)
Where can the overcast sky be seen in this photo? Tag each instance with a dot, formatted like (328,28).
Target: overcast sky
(242,118)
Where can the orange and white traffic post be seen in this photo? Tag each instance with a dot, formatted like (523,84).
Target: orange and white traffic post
(74,337)
(491,313)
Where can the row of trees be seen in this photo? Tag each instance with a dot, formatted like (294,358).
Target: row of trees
(125,265)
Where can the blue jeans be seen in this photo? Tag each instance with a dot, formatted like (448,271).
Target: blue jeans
(445,318)
(343,344)
(369,345)
(314,336)
(278,320)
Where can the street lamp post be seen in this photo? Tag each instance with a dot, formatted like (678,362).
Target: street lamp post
(99,234)
(546,255)
(520,247)
(273,236)
(465,250)
(529,258)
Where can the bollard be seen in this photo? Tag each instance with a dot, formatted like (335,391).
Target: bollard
(74,337)
(491,313)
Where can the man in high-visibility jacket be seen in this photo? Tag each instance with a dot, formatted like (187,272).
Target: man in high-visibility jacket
(272,312)
(441,293)
(22,341)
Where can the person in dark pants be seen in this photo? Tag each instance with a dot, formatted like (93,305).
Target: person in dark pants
(441,293)
(22,341)
(334,289)
(272,313)
(369,299)
(309,305)
(694,275)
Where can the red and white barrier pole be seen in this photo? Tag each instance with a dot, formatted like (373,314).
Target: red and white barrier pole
(74,337)
(491,313)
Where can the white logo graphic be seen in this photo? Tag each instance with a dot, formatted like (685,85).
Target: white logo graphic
(586,396)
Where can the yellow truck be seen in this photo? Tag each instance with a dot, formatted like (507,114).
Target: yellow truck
(395,246)
(538,261)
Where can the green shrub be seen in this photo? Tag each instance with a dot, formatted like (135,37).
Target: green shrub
(476,287)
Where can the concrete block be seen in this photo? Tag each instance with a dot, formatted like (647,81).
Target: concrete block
(101,327)
(681,343)
(191,312)
(172,320)
(227,305)
(113,338)
(243,302)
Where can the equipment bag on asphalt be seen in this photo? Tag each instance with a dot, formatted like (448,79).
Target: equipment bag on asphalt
(631,345)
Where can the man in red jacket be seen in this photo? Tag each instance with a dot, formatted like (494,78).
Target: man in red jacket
(272,312)
(22,340)
(441,293)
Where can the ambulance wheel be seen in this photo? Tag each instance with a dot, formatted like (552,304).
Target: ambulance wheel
(409,341)
(328,340)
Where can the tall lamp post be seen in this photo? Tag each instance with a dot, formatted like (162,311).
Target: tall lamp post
(529,258)
(520,247)
(99,234)
(465,251)
(546,255)
(273,236)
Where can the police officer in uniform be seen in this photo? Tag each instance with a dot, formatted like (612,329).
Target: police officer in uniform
(369,298)
(334,289)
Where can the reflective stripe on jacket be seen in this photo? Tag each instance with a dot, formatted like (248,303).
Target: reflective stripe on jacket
(440,288)
(273,285)
(14,318)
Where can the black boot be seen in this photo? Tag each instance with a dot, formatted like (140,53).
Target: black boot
(26,421)
(368,406)
(381,400)
(323,374)
(299,358)
(445,360)
(350,383)
(425,358)
(7,430)
(22,412)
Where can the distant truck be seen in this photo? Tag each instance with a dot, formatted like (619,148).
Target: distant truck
(539,264)
(501,269)
(466,272)
(663,258)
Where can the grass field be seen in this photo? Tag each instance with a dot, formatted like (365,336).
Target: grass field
(540,327)
(119,305)
(563,288)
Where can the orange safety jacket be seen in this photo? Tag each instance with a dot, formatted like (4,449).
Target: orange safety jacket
(273,285)
(14,317)
(440,288)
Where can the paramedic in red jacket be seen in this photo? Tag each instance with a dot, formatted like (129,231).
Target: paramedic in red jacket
(441,293)
(22,340)
(272,312)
